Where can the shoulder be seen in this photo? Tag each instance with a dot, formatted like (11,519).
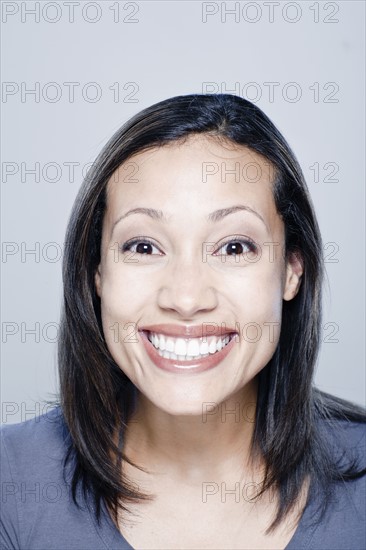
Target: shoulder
(34,449)
(343,524)
(32,454)
(37,509)
(346,443)
(39,438)
(345,439)
(32,476)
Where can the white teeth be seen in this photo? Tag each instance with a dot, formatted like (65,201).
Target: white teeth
(204,348)
(193,347)
(182,349)
(161,340)
(169,345)
(212,346)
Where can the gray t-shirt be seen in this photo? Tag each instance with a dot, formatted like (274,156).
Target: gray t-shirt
(37,511)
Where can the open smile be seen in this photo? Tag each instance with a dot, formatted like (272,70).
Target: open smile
(192,355)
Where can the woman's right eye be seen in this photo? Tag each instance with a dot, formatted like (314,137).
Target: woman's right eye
(143,247)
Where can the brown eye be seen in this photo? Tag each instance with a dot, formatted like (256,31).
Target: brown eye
(143,247)
(236,247)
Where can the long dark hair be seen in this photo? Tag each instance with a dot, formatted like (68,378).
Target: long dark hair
(96,397)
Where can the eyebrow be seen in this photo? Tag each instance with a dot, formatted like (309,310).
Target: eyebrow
(214,217)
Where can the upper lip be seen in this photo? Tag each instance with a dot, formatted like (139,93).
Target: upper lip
(197,331)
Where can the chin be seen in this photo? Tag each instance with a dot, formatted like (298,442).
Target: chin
(183,405)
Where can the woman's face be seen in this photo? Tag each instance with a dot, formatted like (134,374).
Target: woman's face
(189,269)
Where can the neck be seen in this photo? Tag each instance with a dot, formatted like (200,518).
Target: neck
(194,446)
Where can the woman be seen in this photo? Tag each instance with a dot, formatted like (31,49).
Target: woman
(191,326)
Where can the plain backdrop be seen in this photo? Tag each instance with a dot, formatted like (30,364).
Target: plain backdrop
(73,72)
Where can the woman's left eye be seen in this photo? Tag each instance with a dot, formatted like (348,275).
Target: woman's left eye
(238,247)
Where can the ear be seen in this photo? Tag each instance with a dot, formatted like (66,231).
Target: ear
(294,271)
(97,281)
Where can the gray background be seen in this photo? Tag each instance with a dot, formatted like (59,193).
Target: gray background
(149,51)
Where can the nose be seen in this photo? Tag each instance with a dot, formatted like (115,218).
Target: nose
(187,289)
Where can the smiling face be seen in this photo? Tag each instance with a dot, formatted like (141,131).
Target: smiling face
(193,267)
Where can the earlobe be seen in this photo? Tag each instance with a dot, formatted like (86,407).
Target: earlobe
(97,280)
(294,271)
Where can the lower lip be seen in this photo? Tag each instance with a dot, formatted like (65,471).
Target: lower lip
(188,367)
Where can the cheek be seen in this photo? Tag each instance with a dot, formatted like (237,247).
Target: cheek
(123,300)
(123,290)
(260,281)
(258,305)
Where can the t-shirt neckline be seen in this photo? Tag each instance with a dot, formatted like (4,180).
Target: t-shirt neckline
(113,538)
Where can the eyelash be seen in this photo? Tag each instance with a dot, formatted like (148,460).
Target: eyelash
(126,246)
(252,247)
(248,242)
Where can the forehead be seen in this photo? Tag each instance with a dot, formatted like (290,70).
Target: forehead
(206,158)
(200,173)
